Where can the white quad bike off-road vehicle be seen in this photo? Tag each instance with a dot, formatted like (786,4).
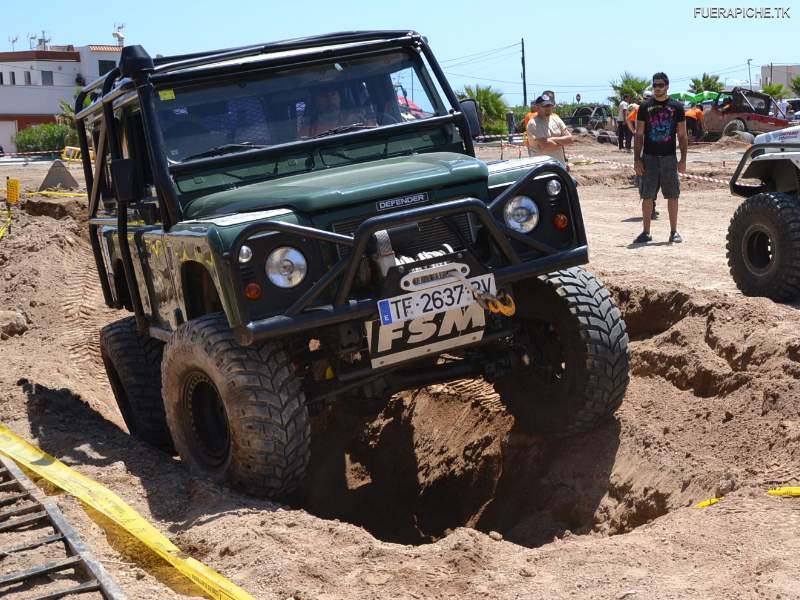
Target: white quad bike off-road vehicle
(764,233)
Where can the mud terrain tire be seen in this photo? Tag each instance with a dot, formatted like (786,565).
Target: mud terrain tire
(578,345)
(133,366)
(764,246)
(734,126)
(237,414)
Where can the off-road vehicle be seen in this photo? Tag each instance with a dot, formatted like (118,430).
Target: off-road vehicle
(764,233)
(741,110)
(288,235)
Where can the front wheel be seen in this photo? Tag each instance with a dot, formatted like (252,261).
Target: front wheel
(734,126)
(236,414)
(577,343)
(764,246)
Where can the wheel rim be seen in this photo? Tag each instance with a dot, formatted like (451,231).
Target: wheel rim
(758,249)
(549,365)
(208,421)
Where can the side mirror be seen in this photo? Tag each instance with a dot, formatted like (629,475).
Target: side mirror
(469,107)
(123,172)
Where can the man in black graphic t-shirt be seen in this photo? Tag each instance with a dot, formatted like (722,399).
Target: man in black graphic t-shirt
(660,122)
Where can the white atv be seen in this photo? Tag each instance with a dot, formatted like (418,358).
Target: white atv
(764,233)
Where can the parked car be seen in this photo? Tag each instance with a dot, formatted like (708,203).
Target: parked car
(592,116)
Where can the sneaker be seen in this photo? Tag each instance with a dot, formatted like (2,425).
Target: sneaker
(643,238)
(675,238)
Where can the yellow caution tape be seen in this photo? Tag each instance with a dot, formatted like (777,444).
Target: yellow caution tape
(58,194)
(112,506)
(706,503)
(784,491)
(6,226)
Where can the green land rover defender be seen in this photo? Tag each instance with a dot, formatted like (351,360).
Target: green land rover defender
(305,222)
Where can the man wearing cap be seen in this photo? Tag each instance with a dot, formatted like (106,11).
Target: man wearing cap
(547,133)
(660,123)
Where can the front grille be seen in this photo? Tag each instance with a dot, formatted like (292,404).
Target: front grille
(433,233)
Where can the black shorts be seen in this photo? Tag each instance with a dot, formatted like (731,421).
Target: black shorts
(659,172)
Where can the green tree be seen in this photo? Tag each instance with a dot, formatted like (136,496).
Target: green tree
(628,84)
(776,90)
(795,85)
(48,137)
(492,106)
(706,83)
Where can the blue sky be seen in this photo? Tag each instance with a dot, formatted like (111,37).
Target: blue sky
(570,47)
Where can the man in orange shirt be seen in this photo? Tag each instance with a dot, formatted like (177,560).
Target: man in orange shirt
(696,113)
(530,115)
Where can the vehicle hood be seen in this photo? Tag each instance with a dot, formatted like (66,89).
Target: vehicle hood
(789,135)
(340,186)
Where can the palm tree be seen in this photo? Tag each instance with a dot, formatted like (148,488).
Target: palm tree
(491,101)
(696,86)
(628,84)
(795,85)
(706,83)
(776,90)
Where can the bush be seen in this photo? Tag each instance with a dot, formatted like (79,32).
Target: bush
(45,137)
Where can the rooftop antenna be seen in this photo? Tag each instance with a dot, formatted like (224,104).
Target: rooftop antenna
(13,41)
(42,42)
(118,35)
(31,39)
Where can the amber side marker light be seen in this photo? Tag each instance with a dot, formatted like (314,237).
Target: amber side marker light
(560,221)
(252,291)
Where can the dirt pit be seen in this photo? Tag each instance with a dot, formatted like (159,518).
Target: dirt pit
(450,456)
(440,495)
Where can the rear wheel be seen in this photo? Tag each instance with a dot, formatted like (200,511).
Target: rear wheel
(237,414)
(133,366)
(577,342)
(764,246)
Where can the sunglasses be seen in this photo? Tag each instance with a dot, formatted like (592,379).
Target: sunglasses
(659,85)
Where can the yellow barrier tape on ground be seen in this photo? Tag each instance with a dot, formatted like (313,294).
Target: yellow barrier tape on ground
(6,223)
(58,194)
(784,491)
(706,503)
(113,507)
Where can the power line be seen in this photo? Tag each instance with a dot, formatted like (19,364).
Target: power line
(481,53)
(485,59)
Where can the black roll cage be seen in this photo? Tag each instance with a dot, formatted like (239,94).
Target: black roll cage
(138,72)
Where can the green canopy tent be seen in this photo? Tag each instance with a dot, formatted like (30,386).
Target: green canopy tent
(682,96)
(706,95)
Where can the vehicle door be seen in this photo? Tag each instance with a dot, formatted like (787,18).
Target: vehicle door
(145,228)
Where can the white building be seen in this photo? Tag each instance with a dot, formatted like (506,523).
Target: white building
(33,82)
(780,74)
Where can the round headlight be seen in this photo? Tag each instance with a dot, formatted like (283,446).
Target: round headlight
(286,267)
(245,254)
(521,214)
(554,187)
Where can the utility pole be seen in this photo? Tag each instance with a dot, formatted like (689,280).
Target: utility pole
(524,85)
(749,75)
(770,73)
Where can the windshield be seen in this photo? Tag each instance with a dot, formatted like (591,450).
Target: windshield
(294,104)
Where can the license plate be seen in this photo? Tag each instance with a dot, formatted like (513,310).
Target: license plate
(426,336)
(433,300)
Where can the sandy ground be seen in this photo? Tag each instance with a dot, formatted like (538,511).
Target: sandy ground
(440,496)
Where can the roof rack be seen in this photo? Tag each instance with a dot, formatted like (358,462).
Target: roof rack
(172,63)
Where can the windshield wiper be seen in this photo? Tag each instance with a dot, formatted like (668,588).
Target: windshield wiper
(344,129)
(225,149)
